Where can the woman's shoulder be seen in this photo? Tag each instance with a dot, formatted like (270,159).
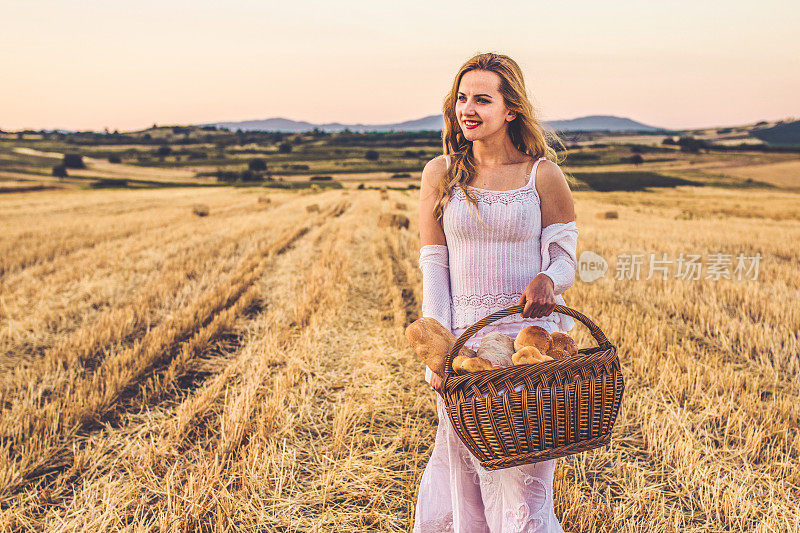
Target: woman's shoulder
(549,177)
(553,189)
(434,171)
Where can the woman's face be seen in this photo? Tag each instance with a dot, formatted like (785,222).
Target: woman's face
(479,101)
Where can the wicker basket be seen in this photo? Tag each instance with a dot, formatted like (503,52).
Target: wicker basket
(565,406)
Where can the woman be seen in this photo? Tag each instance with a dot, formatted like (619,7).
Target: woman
(520,250)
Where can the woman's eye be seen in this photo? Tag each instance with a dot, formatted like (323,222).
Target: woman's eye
(480,100)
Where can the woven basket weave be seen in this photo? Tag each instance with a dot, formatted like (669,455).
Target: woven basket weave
(566,406)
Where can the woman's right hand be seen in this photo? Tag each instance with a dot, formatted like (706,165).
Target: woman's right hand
(437,383)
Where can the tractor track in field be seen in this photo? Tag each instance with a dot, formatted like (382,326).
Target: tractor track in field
(205,337)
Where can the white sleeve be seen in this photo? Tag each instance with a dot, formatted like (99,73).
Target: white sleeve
(560,238)
(435,266)
(562,268)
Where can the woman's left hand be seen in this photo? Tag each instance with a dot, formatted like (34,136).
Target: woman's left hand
(538,297)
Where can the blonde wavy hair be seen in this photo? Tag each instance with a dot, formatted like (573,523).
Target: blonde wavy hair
(525,131)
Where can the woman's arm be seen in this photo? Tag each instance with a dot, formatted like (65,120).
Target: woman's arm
(433,259)
(557,209)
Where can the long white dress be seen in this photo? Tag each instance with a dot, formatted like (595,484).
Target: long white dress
(489,269)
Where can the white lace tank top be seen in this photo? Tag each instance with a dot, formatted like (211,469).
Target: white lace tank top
(491,267)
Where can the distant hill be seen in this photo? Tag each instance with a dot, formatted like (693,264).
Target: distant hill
(782,134)
(600,123)
(431,122)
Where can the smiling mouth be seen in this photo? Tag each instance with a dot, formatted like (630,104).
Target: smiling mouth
(471,123)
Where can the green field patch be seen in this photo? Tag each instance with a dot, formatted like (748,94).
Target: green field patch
(629,181)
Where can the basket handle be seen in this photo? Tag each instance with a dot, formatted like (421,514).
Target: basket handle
(596,332)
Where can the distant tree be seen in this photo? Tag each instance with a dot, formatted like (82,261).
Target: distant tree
(668,140)
(257,165)
(637,159)
(60,171)
(636,149)
(248,175)
(114,158)
(691,144)
(371,155)
(163,151)
(285,148)
(73,161)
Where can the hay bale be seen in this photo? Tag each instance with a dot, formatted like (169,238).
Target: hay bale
(400,205)
(200,210)
(264,200)
(393,220)
(608,214)
(312,208)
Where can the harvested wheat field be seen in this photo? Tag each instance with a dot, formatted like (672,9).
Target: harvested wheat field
(247,369)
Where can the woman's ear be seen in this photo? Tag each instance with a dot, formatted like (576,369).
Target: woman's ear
(511,115)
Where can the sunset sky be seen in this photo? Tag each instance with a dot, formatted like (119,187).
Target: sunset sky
(126,65)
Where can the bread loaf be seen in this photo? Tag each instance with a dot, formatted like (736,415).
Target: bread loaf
(497,348)
(432,342)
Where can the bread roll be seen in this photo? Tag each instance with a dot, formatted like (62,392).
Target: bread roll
(458,361)
(533,336)
(432,342)
(564,342)
(497,348)
(529,355)
(557,353)
(476,364)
